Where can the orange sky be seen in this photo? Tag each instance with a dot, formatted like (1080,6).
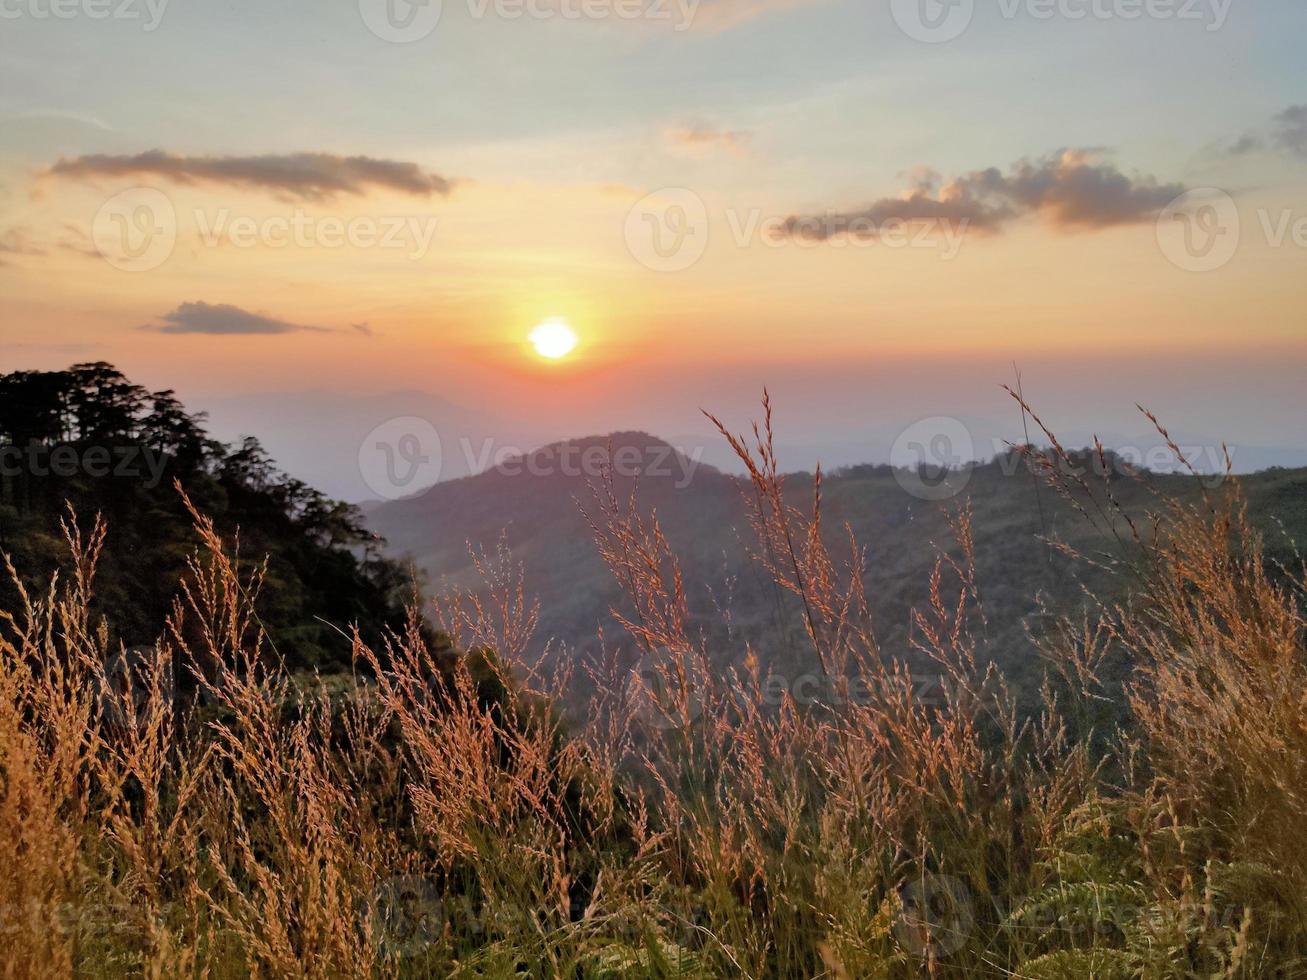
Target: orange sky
(633,180)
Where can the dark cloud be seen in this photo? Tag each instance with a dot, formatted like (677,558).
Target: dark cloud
(1074,190)
(1290,132)
(1244,145)
(1286,133)
(311,176)
(224,319)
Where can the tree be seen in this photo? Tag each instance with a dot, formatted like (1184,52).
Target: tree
(129,448)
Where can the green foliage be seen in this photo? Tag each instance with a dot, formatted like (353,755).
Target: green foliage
(88,439)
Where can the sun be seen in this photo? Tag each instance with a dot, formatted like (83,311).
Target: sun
(553,339)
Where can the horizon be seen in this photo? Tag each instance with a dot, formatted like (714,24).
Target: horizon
(878,235)
(354,460)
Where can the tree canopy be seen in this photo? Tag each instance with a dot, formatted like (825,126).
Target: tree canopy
(89,439)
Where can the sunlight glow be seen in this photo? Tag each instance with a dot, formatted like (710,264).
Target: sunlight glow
(553,339)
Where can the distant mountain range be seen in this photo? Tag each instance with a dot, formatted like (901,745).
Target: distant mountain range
(316,436)
(536,503)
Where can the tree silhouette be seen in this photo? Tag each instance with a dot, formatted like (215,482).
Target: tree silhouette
(90,438)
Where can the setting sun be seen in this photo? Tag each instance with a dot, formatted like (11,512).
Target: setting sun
(553,339)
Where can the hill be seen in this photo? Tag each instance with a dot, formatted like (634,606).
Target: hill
(535,504)
(540,511)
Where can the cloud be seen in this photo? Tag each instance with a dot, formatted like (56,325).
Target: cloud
(1290,130)
(1073,190)
(701,140)
(364,328)
(309,176)
(1244,145)
(78,242)
(60,115)
(715,16)
(71,348)
(18,241)
(224,319)
(1287,133)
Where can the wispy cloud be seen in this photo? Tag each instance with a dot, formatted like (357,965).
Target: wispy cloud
(18,241)
(1289,130)
(1244,145)
(1286,133)
(78,242)
(224,319)
(60,115)
(309,176)
(68,348)
(713,16)
(1073,190)
(701,140)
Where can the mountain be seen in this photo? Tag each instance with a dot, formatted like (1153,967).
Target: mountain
(537,507)
(534,503)
(317,436)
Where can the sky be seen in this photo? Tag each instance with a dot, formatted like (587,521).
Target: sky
(872,207)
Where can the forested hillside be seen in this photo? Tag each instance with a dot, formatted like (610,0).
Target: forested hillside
(89,439)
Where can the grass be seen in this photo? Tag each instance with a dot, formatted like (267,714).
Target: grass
(437,814)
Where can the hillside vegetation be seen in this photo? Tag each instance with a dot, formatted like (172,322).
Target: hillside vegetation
(1029,541)
(89,439)
(435,813)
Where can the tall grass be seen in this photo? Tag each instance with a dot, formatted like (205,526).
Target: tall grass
(196,811)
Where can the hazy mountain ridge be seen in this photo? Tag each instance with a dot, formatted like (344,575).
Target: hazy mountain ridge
(535,503)
(317,436)
(541,518)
